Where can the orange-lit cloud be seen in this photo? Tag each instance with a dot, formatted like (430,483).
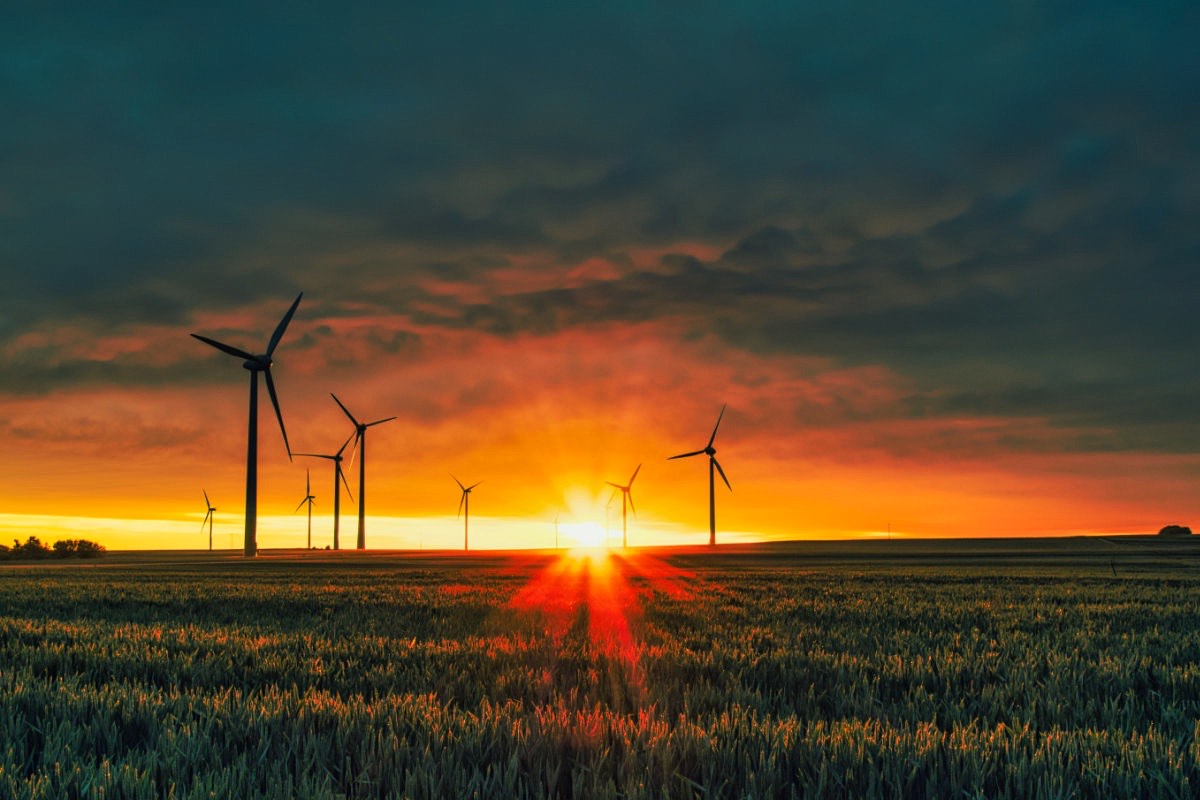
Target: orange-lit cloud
(932,297)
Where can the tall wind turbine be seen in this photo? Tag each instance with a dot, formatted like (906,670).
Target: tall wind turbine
(338,474)
(711,452)
(626,494)
(208,517)
(464,508)
(308,498)
(256,364)
(360,442)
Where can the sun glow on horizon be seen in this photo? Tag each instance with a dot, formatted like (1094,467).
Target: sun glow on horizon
(590,535)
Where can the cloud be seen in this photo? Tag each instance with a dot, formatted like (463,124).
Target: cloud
(995,205)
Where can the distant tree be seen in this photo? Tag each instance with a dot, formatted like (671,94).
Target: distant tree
(1175,530)
(31,549)
(86,549)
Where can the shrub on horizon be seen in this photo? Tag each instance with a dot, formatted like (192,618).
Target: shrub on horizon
(33,550)
(1175,530)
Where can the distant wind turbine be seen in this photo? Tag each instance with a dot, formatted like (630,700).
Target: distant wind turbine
(360,442)
(208,517)
(626,494)
(308,498)
(338,474)
(256,364)
(711,452)
(464,508)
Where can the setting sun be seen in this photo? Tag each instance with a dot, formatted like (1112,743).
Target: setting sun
(584,534)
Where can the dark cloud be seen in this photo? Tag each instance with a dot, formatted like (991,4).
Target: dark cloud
(997,203)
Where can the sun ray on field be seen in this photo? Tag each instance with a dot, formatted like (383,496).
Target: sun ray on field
(599,593)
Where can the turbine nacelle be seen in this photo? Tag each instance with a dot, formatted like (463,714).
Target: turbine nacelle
(258,363)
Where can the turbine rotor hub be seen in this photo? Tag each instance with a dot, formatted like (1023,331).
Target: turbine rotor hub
(257,364)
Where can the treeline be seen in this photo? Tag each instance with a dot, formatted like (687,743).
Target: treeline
(34,550)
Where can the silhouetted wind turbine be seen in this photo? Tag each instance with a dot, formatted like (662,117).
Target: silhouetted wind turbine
(338,473)
(711,452)
(464,505)
(208,517)
(360,442)
(626,494)
(308,498)
(256,364)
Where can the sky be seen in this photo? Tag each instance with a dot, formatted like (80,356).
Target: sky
(938,259)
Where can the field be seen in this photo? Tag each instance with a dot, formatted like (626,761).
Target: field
(1061,668)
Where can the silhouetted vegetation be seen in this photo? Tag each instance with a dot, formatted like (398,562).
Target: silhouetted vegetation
(1175,530)
(32,549)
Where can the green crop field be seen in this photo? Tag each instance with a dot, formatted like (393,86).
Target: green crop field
(1064,668)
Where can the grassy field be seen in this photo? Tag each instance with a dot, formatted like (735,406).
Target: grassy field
(986,668)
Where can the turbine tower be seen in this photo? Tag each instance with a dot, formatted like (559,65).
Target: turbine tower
(360,442)
(256,364)
(711,452)
(626,494)
(308,498)
(338,474)
(208,517)
(464,508)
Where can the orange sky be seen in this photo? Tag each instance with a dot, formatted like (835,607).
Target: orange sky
(941,268)
(812,449)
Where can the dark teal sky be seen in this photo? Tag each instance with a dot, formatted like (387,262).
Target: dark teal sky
(995,202)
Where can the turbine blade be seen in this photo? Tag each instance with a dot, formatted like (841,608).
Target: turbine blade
(473,485)
(713,438)
(718,466)
(460,483)
(354,449)
(207,502)
(687,455)
(461,500)
(615,485)
(343,447)
(302,502)
(315,455)
(278,413)
(343,407)
(631,506)
(308,482)
(381,421)
(634,476)
(224,348)
(342,475)
(282,326)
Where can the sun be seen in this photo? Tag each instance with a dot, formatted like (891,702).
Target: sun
(585,534)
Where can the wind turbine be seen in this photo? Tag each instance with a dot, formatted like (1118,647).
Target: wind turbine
(711,452)
(626,494)
(360,442)
(208,517)
(338,473)
(308,498)
(464,505)
(256,364)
